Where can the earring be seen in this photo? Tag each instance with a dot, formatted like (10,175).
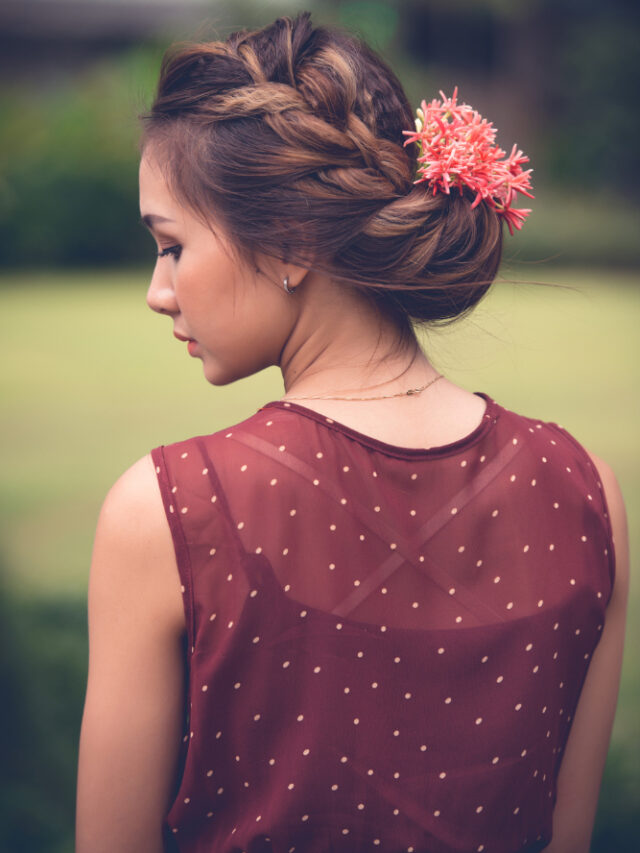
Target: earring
(286,285)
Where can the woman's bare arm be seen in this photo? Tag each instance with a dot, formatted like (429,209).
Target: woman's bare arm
(586,751)
(131,726)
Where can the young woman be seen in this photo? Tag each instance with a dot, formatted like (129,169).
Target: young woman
(384,612)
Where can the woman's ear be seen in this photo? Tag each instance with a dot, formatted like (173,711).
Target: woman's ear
(279,272)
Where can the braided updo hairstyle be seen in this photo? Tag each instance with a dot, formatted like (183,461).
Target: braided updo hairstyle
(293,136)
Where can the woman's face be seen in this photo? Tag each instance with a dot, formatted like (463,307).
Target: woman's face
(235,319)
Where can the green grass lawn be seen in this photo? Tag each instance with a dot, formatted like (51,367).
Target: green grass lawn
(93,380)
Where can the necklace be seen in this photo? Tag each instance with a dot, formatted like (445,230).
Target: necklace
(408,393)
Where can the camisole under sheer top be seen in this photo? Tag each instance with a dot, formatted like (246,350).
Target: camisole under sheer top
(385,646)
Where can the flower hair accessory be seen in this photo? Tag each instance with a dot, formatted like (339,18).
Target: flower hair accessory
(457,148)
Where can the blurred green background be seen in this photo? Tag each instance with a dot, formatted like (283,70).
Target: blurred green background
(92,380)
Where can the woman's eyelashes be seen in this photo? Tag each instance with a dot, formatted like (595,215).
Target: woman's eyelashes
(171,250)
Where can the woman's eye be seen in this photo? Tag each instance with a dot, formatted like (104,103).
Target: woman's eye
(170,250)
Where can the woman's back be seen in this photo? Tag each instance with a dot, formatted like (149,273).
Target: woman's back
(387,644)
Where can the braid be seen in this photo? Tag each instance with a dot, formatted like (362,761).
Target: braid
(294,136)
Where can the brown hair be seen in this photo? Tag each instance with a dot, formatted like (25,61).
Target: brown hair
(293,135)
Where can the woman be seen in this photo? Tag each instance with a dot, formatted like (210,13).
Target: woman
(371,616)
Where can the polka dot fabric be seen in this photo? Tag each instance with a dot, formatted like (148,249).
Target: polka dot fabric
(386,646)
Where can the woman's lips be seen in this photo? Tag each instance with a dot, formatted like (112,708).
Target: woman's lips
(192,346)
(181,337)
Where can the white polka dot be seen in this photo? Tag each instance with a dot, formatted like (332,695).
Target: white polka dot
(332,527)
(479,809)
(485,659)
(396,775)
(441,650)
(319,454)
(338,626)
(396,660)
(300,718)
(452,591)
(448,700)
(374,684)
(334,787)
(243,467)
(525,549)
(407,695)
(423,748)
(316,482)
(510,605)
(495,759)
(396,733)
(269,423)
(415,605)
(478,721)
(273,481)
(512,478)
(528,647)
(518,706)
(356,721)
(500,679)
(436,813)
(317,669)
(496,579)
(286,664)
(344,759)
(442,775)
(205,687)
(533,482)
(454,510)
(281,448)
(494,513)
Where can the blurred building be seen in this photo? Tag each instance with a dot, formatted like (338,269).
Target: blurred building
(45,39)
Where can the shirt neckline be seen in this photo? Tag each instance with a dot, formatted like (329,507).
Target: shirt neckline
(489,418)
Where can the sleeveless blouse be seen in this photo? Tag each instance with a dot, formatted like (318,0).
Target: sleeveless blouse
(385,645)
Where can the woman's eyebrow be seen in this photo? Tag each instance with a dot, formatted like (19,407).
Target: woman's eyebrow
(151,218)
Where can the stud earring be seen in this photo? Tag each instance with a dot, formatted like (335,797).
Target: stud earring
(286,285)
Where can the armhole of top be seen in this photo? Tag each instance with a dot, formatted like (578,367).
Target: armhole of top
(183,558)
(611,551)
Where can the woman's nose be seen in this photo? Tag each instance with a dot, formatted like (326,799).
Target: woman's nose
(160,295)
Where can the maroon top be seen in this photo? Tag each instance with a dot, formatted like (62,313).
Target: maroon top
(386,645)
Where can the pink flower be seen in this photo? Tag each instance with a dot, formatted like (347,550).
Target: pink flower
(457,149)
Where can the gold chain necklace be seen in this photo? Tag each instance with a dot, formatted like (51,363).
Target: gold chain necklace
(408,393)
